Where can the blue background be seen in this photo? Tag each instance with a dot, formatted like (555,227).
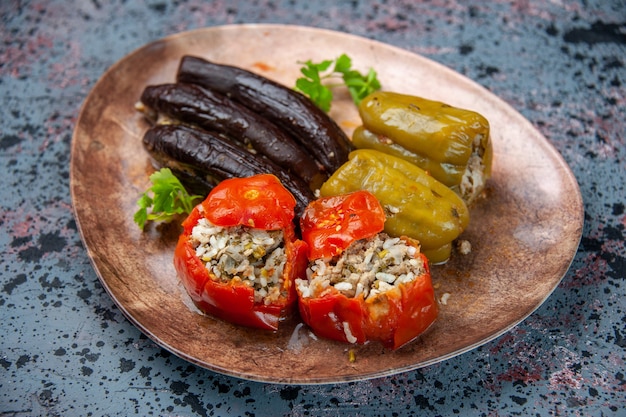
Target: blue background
(67,350)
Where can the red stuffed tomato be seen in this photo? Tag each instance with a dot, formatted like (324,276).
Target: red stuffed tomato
(363,285)
(238,255)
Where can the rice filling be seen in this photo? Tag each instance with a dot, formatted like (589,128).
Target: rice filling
(254,257)
(368,266)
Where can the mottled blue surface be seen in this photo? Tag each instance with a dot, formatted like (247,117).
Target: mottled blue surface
(65,349)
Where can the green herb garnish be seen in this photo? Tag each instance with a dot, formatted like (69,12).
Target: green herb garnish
(314,85)
(164,200)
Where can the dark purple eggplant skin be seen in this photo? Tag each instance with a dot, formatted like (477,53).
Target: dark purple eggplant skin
(290,110)
(212,111)
(203,159)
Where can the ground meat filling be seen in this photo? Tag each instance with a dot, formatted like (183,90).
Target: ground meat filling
(369,267)
(253,256)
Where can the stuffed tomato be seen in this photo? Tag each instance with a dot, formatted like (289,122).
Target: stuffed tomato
(238,255)
(362,285)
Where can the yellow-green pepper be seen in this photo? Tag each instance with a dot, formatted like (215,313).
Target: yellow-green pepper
(416,204)
(451,144)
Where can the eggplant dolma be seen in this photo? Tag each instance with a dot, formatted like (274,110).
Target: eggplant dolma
(202,159)
(285,107)
(196,106)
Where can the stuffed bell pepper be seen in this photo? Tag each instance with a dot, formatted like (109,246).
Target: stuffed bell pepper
(451,144)
(416,204)
(362,285)
(238,255)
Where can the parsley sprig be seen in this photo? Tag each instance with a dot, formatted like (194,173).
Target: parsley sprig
(165,199)
(315,84)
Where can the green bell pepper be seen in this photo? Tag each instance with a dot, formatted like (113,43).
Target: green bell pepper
(416,204)
(451,144)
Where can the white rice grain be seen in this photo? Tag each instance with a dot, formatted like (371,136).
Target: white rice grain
(255,256)
(367,267)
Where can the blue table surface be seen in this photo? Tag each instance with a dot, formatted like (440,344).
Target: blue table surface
(66,349)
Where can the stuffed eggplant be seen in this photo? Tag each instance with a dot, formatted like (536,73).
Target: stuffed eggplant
(285,107)
(202,159)
(196,106)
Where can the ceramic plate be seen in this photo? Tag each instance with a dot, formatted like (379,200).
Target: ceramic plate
(524,235)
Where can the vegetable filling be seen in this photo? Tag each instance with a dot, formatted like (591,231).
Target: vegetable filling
(255,257)
(368,266)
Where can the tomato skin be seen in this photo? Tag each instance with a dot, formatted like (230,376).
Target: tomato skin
(329,225)
(393,318)
(259,201)
(234,301)
(325,315)
(410,311)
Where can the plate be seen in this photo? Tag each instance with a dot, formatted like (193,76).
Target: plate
(524,235)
